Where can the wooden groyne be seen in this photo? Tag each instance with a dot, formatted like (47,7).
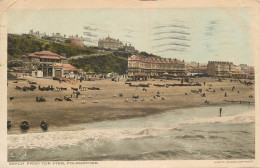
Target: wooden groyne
(196,84)
(240,102)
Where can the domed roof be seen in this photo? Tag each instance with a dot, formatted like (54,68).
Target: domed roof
(75,41)
(134,58)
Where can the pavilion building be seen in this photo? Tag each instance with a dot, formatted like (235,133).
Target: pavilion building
(46,64)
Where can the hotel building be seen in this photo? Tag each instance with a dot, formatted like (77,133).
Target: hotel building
(144,67)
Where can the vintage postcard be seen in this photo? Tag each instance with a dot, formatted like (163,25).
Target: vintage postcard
(130,84)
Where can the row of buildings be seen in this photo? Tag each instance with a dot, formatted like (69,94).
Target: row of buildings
(106,43)
(228,69)
(169,68)
(144,67)
(57,37)
(49,64)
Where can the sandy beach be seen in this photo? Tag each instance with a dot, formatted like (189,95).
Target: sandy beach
(109,105)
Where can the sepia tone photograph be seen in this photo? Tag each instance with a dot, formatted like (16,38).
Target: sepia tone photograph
(130,84)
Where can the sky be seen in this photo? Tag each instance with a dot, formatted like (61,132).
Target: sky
(190,34)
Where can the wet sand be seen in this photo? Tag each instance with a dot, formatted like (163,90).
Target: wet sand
(110,106)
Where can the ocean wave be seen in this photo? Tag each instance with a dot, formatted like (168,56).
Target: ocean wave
(243,132)
(236,119)
(149,132)
(190,137)
(217,137)
(59,138)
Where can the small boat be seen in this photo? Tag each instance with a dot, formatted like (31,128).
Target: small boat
(9,124)
(24,125)
(44,125)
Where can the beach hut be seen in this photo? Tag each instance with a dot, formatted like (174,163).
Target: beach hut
(140,76)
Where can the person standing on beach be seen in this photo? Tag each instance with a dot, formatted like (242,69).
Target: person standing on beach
(220,110)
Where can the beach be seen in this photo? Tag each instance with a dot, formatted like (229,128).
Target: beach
(106,104)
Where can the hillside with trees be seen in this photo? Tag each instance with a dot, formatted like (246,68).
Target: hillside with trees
(102,64)
(115,61)
(20,45)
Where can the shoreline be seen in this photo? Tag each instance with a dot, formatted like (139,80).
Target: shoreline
(75,127)
(191,126)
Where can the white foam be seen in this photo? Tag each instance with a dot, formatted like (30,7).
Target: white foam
(53,139)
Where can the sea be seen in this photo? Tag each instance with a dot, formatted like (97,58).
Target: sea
(180,134)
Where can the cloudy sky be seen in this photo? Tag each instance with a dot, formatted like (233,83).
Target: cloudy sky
(198,34)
